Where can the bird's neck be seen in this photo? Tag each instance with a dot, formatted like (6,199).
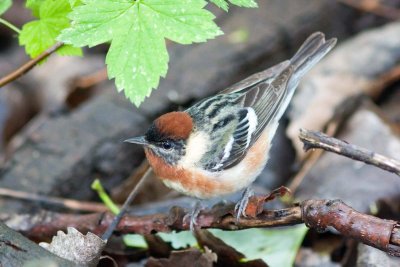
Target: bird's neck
(196,147)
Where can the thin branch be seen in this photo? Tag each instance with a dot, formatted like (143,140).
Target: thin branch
(71,204)
(375,88)
(110,229)
(314,139)
(90,80)
(29,65)
(341,113)
(321,215)
(313,157)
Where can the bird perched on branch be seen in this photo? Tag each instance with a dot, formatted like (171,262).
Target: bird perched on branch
(220,145)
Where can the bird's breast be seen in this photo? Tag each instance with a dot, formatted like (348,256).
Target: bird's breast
(203,184)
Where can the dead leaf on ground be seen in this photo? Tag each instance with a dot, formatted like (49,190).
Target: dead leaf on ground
(74,246)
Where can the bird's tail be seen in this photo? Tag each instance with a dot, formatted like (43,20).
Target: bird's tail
(312,50)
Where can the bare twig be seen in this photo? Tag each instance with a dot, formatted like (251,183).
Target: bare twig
(314,139)
(122,191)
(312,158)
(319,214)
(341,113)
(90,80)
(71,204)
(29,65)
(376,87)
(308,163)
(110,229)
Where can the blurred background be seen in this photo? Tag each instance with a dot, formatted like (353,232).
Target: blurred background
(62,124)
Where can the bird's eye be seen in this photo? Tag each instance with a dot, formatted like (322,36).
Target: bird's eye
(166,145)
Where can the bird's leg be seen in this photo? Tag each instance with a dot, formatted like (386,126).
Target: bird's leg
(197,207)
(240,207)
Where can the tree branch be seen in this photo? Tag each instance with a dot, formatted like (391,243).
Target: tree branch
(314,139)
(29,65)
(319,214)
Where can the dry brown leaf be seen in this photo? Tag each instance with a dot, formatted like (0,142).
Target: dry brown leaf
(84,250)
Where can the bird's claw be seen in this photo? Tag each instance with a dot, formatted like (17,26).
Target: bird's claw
(250,205)
(193,216)
(240,207)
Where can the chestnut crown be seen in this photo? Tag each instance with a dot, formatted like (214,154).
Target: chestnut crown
(166,137)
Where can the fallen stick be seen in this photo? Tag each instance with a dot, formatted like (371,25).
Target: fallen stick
(314,139)
(321,215)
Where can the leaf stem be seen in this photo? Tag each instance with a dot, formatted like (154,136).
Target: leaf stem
(29,65)
(98,187)
(9,25)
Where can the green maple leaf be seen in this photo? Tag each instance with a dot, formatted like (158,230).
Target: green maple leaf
(244,3)
(34,5)
(223,4)
(4,5)
(138,57)
(38,35)
(74,3)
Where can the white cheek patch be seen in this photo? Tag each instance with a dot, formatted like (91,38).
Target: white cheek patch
(197,145)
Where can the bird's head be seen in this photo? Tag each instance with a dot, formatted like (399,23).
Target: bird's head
(166,138)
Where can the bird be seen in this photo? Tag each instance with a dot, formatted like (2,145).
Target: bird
(221,144)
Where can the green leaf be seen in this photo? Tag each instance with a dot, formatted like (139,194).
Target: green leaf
(34,5)
(244,3)
(137,30)
(134,240)
(277,247)
(38,35)
(138,70)
(223,4)
(4,6)
(73,3)
(179,240)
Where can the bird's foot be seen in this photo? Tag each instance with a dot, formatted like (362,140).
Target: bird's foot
(193,216)
(241,206)
(251,205)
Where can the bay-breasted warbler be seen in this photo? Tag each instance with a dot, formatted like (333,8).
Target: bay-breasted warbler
(220,145)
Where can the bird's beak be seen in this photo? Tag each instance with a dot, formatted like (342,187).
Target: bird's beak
(137,140)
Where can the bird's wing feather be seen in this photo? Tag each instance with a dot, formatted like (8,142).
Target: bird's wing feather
(240,140)
(263,97)
(256,78)
(261,104)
